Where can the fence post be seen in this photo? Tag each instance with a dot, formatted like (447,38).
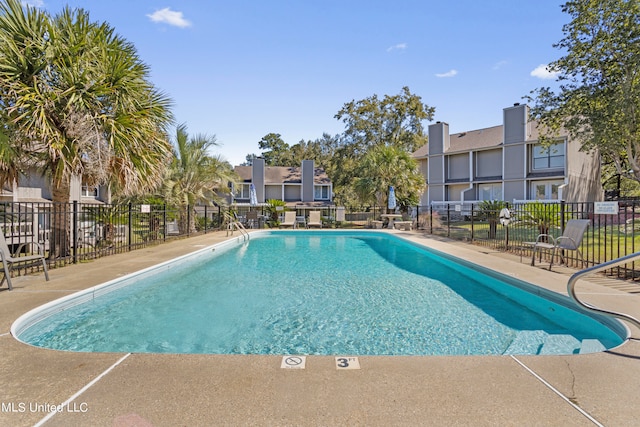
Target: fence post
(448,220)
(205,219)
(188,219)
(130,228)
(164,221)
(472,233)
(74,232)
(430,219)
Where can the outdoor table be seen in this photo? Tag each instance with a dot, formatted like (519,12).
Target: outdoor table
(392,218)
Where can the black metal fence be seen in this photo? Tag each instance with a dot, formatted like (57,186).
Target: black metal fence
(70,233)
(74,232)
(610,235)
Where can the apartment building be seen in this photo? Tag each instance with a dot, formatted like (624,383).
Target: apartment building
(506,162)
(306,185)
(34,187)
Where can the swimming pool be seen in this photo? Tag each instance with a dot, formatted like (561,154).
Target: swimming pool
(318,292)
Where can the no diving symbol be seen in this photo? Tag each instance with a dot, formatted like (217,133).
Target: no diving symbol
(293,362)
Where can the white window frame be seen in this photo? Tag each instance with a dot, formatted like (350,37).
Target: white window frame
(242,191)
(495,191)
(548,189)
(552,157)
(321,192)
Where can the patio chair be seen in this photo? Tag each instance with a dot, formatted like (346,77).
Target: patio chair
(8,259)
(252,219)
(314,219)
(289,219)
(569,241)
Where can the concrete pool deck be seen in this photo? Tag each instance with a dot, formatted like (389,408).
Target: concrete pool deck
(109,389)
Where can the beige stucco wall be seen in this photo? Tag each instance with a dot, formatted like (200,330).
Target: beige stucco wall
(583,175)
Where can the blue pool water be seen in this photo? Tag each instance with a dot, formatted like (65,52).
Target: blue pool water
(328,293)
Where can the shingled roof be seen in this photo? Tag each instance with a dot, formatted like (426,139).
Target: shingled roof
(283,174)
(476,140)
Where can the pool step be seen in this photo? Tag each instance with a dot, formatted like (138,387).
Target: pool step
(540,342)
(526,342)
(560,344)
(591,346)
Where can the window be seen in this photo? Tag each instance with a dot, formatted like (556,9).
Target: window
(242,191)
(548,158)
(321,192)
(490,192)
(90,191)
(546,190)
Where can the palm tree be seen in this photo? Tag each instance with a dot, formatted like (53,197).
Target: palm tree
(195,176)
(78,101)
(490,209)
(384,166)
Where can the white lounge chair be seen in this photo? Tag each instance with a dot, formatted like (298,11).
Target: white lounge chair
(8,259)
(569,241)
(289,219)
(314,219)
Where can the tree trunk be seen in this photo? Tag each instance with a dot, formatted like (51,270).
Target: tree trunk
(192,222)
(182,221)
(543,229)
(187,223)
(493,228)
(60,243)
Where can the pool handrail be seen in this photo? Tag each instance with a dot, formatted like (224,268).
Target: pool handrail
(241,228)
(595,269)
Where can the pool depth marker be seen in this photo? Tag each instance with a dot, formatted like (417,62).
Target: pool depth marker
(343,362)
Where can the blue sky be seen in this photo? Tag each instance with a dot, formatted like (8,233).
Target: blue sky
(242,69)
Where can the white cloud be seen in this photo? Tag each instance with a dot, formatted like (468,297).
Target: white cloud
(449,73)
(499,64)
(399,46)
(34,3)
(542,72)
(170,17)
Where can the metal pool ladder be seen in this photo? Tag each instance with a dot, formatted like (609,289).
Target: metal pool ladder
(241,229)
(595,269)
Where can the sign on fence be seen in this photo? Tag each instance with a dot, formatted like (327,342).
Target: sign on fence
(605,208)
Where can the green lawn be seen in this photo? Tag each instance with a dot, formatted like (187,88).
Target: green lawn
(599,244)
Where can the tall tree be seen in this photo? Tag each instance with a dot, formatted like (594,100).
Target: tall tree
(394,121)
(305,150)
(598,101)
(195,176)
(275,152)
(385,166)
(78,100)
(249,159)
